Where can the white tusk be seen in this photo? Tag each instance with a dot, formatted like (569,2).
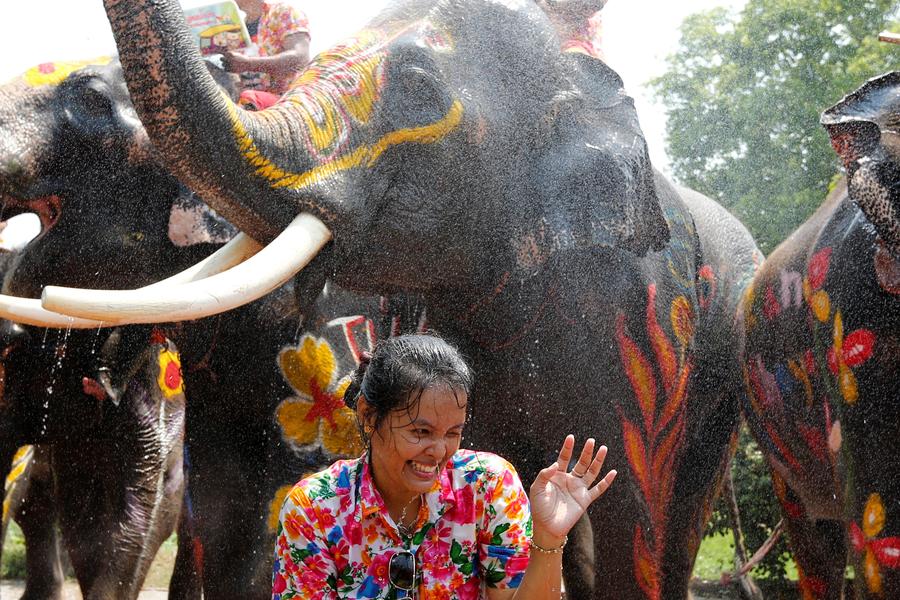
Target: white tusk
(28,311)
(272,266)
(236,251)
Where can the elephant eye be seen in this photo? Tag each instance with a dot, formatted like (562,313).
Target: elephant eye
(94,101)
(415,96)
(89,107)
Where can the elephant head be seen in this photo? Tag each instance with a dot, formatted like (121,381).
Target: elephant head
(74,153)
(425,144)
(865,131)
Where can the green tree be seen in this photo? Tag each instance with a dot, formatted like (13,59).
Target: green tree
(744,93)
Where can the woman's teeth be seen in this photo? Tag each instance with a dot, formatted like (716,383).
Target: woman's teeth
(423,469)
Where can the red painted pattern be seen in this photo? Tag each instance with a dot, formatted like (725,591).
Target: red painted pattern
(652,446)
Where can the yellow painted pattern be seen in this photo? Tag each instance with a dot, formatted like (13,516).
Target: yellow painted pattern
(872,523)
(55,73)
(364,155)
(20,462)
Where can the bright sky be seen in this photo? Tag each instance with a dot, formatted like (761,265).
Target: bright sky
(638,35)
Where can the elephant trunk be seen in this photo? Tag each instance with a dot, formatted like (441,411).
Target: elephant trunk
(213,146)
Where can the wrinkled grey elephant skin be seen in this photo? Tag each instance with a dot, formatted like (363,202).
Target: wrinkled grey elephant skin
(509,185)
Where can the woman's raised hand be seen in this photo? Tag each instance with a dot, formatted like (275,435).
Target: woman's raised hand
(559,497)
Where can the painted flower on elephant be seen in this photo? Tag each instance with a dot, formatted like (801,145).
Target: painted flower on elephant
(169,379)
(815,296)
(846,352)
(879,552)
(317,415)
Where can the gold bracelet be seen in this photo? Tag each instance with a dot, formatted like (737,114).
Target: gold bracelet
(550,550)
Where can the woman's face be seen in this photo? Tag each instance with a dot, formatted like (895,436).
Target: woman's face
(412,446)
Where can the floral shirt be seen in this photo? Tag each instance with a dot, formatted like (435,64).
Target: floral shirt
(278,20)
(336,537)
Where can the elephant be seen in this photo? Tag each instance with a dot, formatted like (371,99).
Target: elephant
(508,184)
(820,360)
(105,410)
(250,432)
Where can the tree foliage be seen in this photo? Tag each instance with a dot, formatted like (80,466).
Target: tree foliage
(744,93)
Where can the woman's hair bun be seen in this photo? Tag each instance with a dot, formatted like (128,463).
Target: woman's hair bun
(351,394)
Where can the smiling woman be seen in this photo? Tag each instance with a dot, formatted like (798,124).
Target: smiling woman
(415,515)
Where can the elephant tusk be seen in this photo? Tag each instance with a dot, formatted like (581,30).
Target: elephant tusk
(28,311)
(236,251)
(272,266)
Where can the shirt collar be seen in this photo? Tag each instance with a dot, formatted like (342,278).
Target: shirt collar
(438,498)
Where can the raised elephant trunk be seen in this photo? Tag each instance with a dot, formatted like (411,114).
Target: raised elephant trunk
(203,137)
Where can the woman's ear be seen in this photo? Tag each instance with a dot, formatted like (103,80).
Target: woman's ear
(365,414)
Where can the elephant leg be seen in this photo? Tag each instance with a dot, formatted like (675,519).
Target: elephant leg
(37,517)
(231,509)
(819,547)
(185,582)
(578,559)
(699,480)
(12,492)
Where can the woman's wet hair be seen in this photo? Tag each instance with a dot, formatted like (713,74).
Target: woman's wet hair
(400,369)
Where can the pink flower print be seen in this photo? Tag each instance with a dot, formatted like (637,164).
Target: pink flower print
(516,565)
(378,570)
(279,584)
(353,531)
(470,590)
(464,510)
(339,553)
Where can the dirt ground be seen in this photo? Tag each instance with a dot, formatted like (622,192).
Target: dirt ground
(12,590)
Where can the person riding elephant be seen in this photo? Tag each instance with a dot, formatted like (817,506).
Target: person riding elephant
(264,381)
(497,177)
(822,340)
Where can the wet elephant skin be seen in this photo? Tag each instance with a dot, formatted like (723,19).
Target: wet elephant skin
(509,185)
(822,361)
(248,373)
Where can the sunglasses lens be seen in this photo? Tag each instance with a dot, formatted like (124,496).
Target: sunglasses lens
(402,570)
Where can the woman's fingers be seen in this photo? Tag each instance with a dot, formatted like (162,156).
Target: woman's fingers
(584,461)
(599,489)
(596,465)
(565,453)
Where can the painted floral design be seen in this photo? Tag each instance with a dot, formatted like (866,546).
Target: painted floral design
(652,445)
(878,552)
(474,528)
(169,379)
(317,415)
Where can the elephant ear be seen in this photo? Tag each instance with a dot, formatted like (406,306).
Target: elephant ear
(192,221)
(594,174)
(865,132)
(859,121)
